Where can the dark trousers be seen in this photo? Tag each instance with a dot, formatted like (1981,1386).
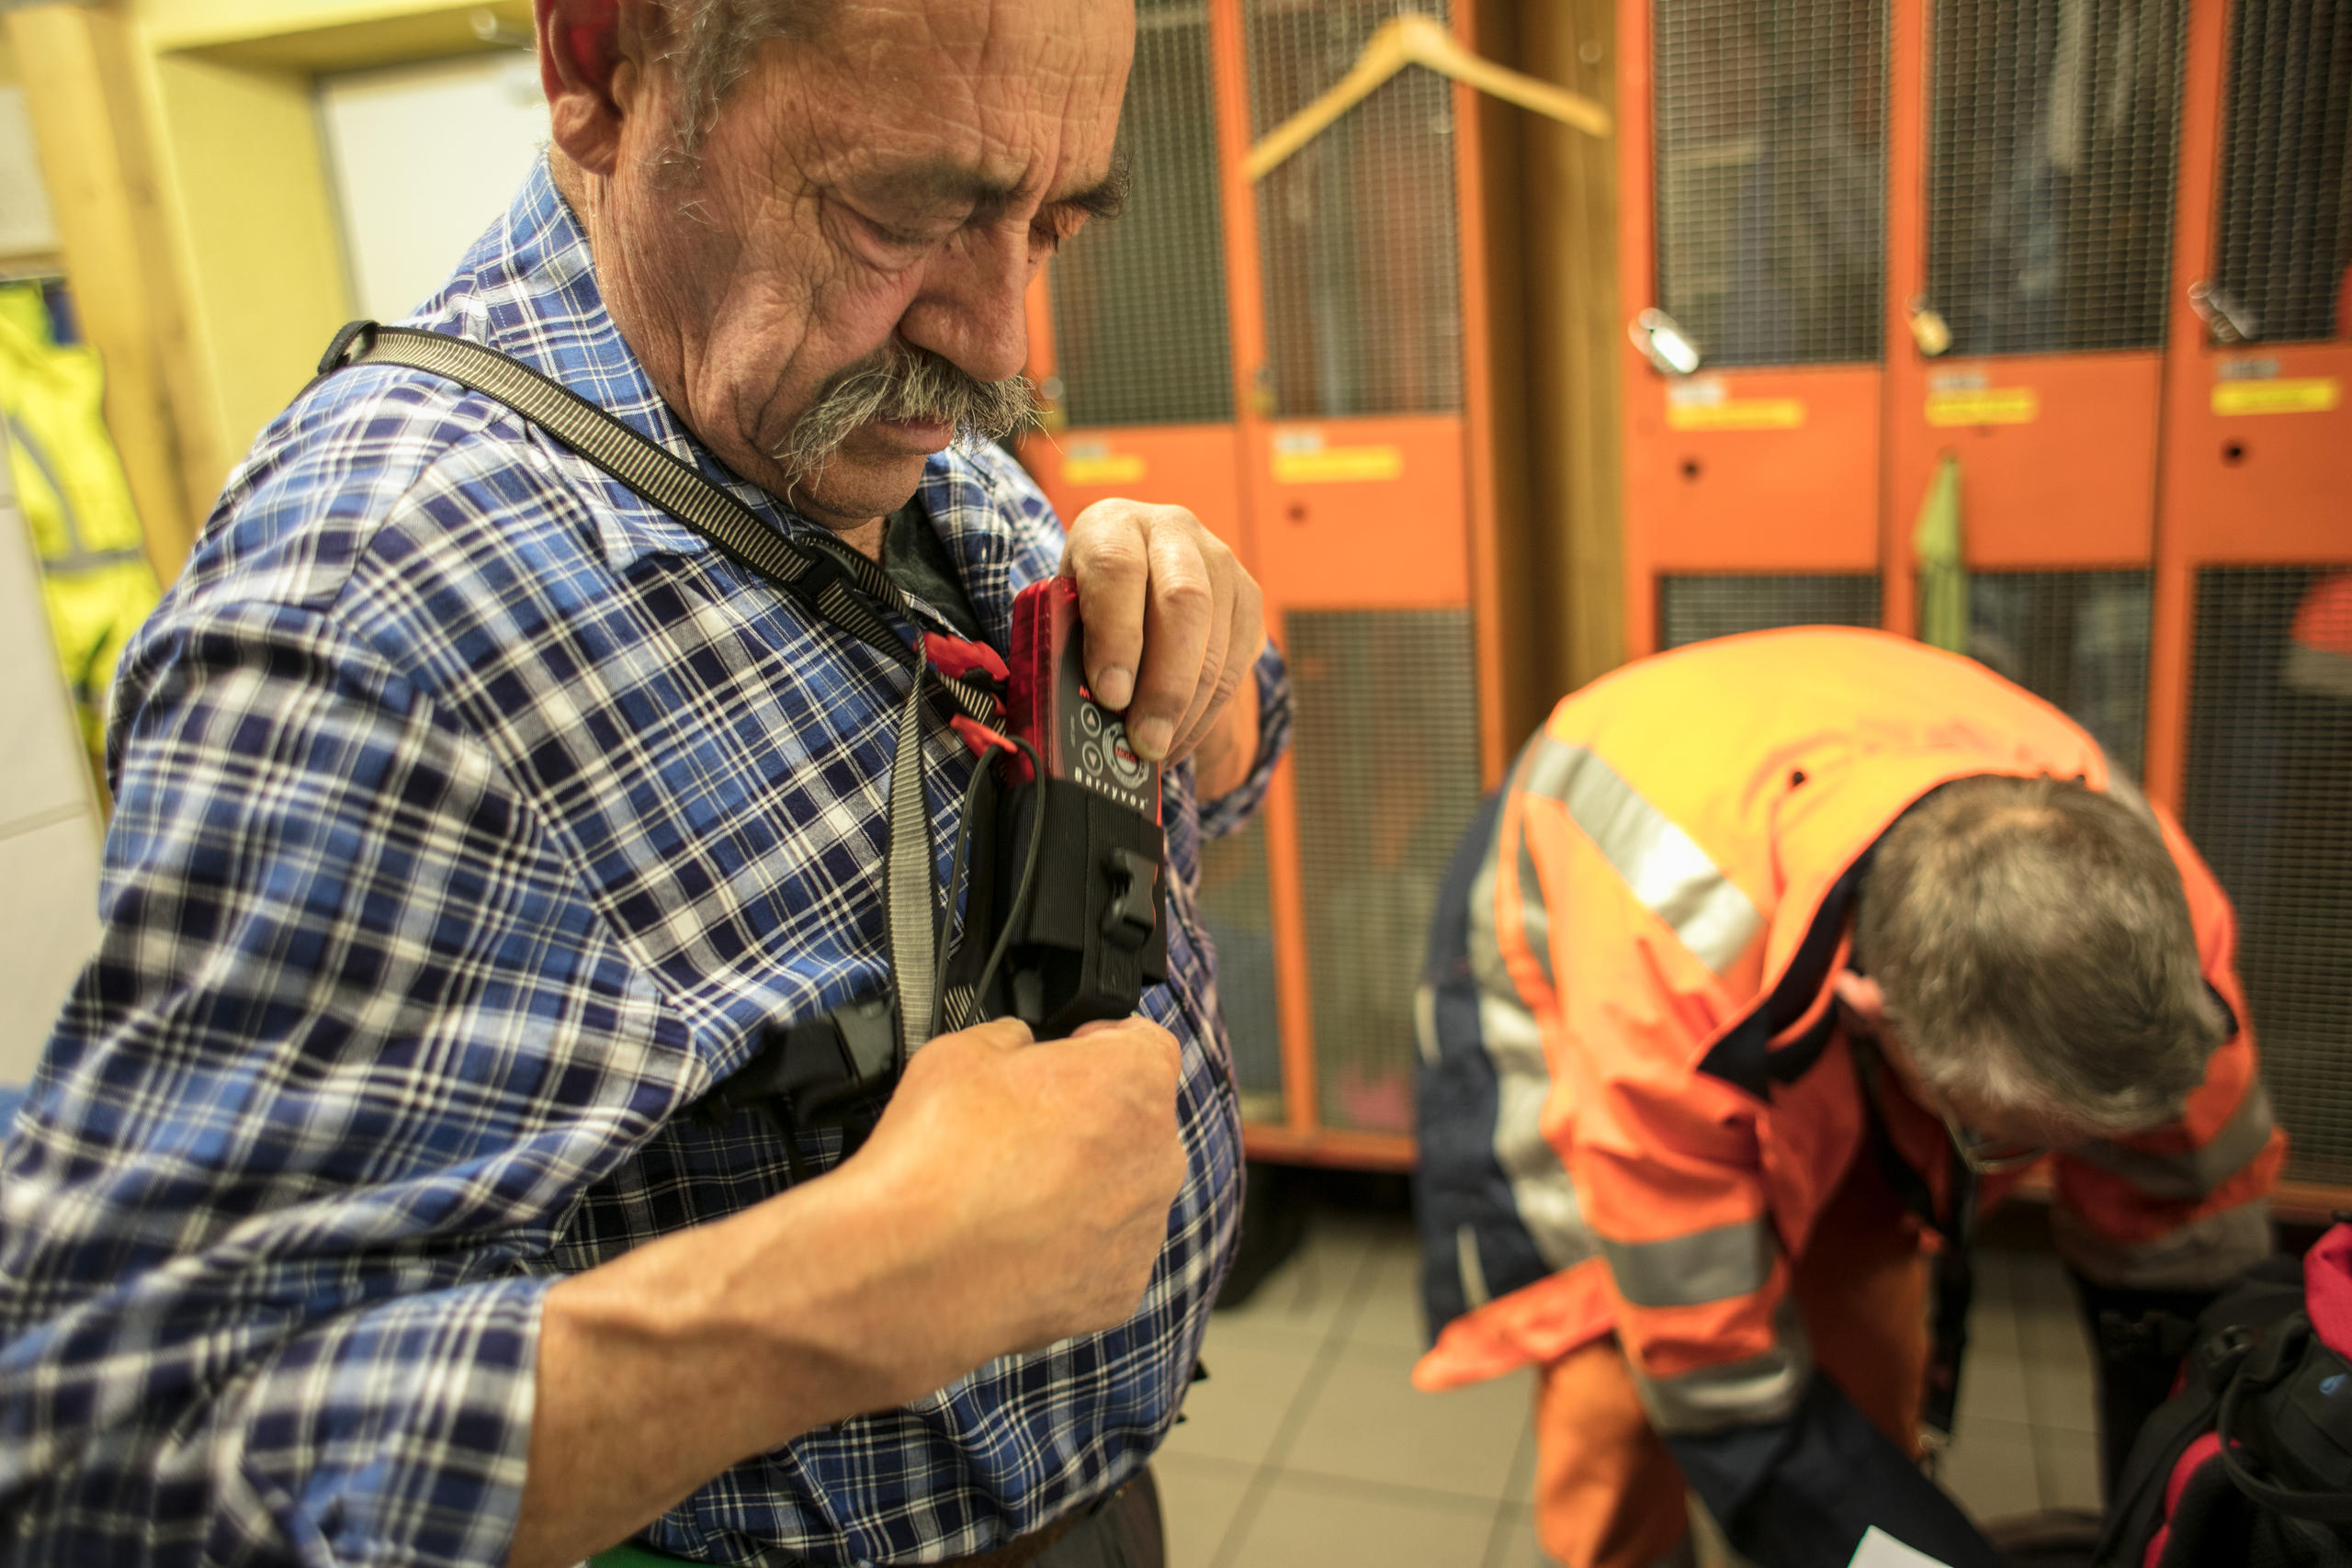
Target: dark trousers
(1123,1531)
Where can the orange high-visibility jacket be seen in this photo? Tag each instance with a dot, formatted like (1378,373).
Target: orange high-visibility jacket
(1638,1097)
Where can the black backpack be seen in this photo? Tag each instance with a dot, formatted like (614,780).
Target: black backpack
(2249,1465)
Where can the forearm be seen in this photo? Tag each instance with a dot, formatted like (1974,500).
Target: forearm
(1013,1195)
(658,1371)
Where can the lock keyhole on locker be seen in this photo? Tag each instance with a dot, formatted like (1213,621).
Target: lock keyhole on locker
(1691,469)
(1296,512)
(2234,451)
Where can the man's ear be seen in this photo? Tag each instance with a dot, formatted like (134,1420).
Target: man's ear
(1863,998)
(591,69)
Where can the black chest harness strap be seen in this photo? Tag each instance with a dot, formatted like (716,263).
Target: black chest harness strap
(833,582)
(1955,1268)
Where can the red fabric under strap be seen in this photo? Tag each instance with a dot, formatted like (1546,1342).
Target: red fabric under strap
(956,658)
(979,737)
(2327,1289)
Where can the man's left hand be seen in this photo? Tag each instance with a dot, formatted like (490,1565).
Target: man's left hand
(1173,622)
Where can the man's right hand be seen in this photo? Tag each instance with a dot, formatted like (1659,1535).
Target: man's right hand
(1015,1193)
(1019,1194)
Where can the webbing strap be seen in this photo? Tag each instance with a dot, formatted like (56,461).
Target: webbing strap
(1955,1273)
(907,878)
(833,583)
(826,578)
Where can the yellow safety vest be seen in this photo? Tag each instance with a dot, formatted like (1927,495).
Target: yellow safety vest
(70,486)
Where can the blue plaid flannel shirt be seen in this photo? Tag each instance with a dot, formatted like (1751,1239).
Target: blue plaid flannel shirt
(473,819)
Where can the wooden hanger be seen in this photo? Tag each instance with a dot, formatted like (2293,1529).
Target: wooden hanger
(1417,39)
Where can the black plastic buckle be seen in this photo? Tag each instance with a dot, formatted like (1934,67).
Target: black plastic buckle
(837,1070)
(339,352)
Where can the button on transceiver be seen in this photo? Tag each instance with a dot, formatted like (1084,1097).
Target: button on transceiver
(1090,718)
(1092,756)
(1126,766)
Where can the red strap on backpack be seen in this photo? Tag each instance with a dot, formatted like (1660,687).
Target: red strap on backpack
(2327,1289)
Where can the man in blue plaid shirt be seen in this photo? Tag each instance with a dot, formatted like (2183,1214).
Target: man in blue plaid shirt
(474,819)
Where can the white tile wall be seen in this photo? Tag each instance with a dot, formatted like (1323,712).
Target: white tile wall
(424,157)
(25,224)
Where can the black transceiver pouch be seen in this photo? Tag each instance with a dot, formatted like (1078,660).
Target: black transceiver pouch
(1082,918)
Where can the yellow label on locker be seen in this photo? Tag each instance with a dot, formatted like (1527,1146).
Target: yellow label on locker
(1736,413)
(1984,405)
(1335,464)
(2306,394)
(1102,469)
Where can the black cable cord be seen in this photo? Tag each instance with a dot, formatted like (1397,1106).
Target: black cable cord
(958,867)
(1028,884)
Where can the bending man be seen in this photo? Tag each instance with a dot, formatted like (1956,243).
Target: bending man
(1779,957)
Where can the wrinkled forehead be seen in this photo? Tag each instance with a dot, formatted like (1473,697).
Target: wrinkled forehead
(1028,89)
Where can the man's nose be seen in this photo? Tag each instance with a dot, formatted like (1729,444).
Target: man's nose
(971,308)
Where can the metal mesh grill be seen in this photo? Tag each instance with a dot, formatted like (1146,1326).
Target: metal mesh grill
(2050,136)
(2077,640)
(1387,749)
(1140,326)
(1355,232)
(1692,609)
(1241,923)
(1772,176)
(2286,215)
(2269,804)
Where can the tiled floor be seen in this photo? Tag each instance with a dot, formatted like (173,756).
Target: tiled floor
(1308,1447)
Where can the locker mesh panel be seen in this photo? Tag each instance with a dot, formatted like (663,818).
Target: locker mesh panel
(1772,176)
(1139,329)
(2286,202)
(1241,923)
(1387,749)
(1692,609)
(2077,640)
(2051,129)
(1356,231)
(2268,801)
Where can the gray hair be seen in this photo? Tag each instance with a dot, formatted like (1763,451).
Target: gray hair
(708,46)
(2034,947)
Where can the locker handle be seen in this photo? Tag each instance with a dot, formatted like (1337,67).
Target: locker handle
(1929,329)
(1417,39)
(1664,343)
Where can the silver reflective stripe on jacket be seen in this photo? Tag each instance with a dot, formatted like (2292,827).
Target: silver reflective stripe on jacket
(1541,1190)
(1756,1389)
(2190,1174)
(1691,1270)
(1670,876)
(2199,1255)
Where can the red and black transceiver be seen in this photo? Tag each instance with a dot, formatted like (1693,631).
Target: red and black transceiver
(1091,933)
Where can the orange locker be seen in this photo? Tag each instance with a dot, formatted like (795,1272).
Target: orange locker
(2032,199)
(2251,720)
(2110,288)
(1752,140)
(1303,362)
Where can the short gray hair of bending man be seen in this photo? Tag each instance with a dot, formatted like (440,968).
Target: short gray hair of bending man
(2034,947)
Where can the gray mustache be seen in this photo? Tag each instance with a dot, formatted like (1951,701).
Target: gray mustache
(901,383)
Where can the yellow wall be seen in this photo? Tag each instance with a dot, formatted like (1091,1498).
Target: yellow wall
(237,279)
(263,256)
